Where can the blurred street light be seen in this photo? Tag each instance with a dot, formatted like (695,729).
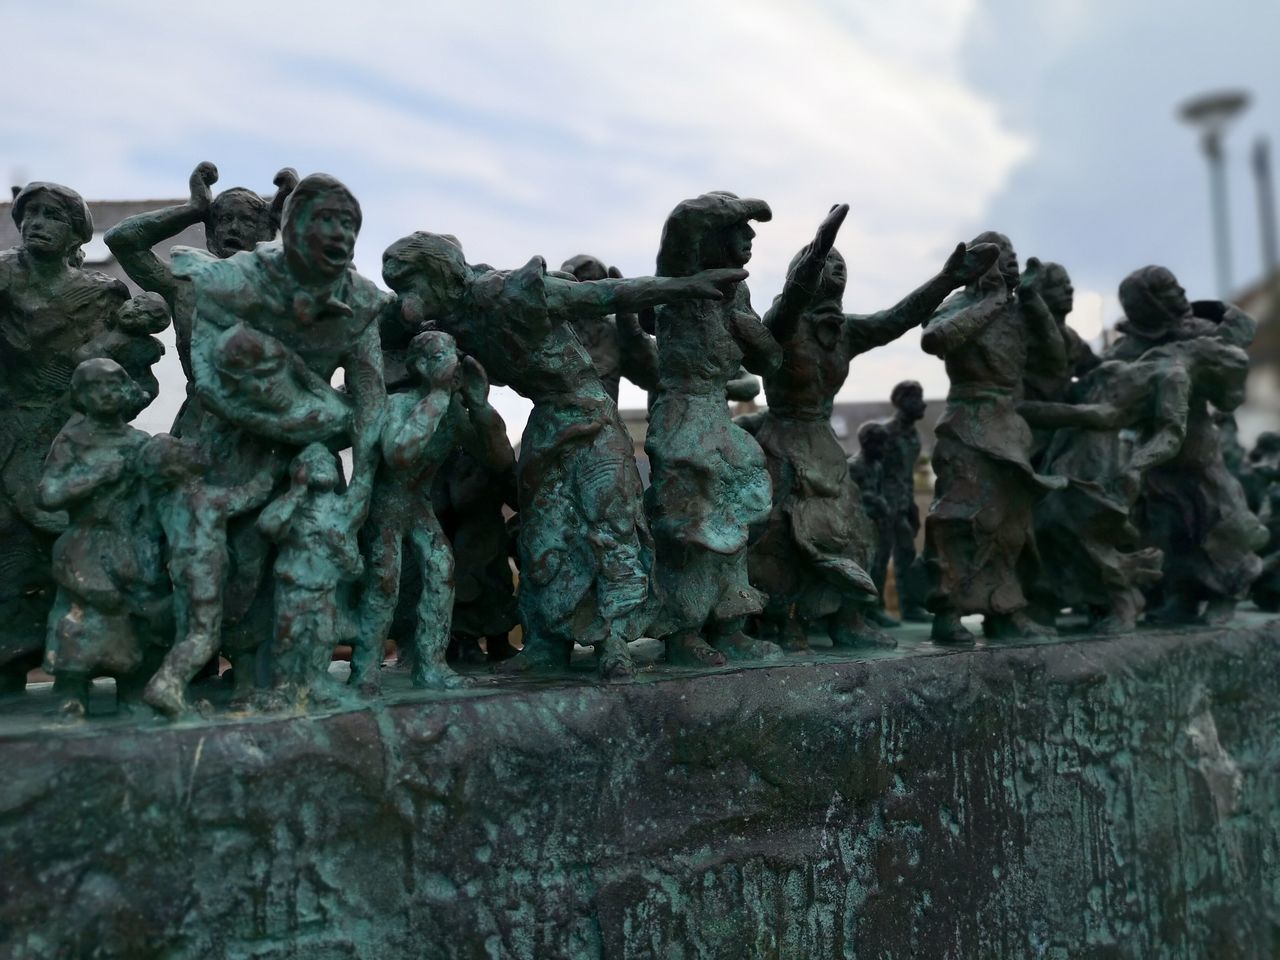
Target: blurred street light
(1211,113)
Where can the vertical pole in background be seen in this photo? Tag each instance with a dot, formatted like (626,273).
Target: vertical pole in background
(1266,205)
(1211,142)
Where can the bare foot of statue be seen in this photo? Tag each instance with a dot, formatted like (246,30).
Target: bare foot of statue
(536,657)
(864,637)
(167,695)
(741,646)
(948,630)
(615,659)
(691,650)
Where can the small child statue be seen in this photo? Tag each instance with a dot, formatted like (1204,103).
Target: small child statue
(193,515)
(869,470)
(103,563)
(130,341)
(314,528)
(446,407)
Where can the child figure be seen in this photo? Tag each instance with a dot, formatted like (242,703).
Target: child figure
(129,340)
(314,528)
(193,516)
(447,406)
(106,564)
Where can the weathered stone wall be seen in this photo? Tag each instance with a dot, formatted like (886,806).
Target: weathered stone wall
(1078,799)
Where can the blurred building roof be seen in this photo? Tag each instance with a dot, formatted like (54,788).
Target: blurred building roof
(106,214)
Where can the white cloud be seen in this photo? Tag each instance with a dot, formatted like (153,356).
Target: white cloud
(540,128)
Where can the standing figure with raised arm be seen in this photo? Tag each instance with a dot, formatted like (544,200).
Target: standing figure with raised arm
(237,219)
(979,546)
(819,545)
(447,407)
(710,482)
(270,329)
(49,308)
(585,552)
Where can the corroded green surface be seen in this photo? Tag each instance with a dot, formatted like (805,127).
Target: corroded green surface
(1082,798)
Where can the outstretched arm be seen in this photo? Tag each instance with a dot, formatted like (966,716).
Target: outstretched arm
(803,279)
(131,239)
(866,331)
(597,298)
(639,351)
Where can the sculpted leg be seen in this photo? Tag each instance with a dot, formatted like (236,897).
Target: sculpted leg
(378,607)
(435,609)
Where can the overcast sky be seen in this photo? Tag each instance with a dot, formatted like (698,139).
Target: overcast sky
(556,128)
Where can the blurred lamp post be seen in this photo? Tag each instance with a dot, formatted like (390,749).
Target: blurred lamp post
(1266,205)
(1211,112)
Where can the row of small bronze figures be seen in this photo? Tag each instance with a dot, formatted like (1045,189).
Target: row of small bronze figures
(1064,480)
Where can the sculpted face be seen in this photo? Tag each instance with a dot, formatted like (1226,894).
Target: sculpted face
(1058,293)
(320,238)
(731,247)
(911,403)
(431,352)
(103,389)
(237,222)
(46,228)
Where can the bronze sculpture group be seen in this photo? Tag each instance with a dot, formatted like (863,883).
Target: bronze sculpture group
(244,536)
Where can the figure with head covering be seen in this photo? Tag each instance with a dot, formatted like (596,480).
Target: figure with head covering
(298,312)
(49,309)
(585,551)
(237,219)
(979,546)
(818,546)
(1191,507)
(448,407)
(710,482)
(107,562)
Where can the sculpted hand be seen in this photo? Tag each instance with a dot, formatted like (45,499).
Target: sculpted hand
(204,176)
(967,263)
(613,273)
(285,179)
(1029,284)
(825,238)
(475,384)
(713,284)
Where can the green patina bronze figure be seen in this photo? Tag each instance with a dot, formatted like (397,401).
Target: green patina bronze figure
(1192,508)
(818,544)
(470,500)
(709,479)
(49,309)
(193,516)
(449,407)
(237,219)
(130,341)
(107,619)
(979,546)
(270,329)
(585,552)
(1264,475)
(314,529)
(901,454)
